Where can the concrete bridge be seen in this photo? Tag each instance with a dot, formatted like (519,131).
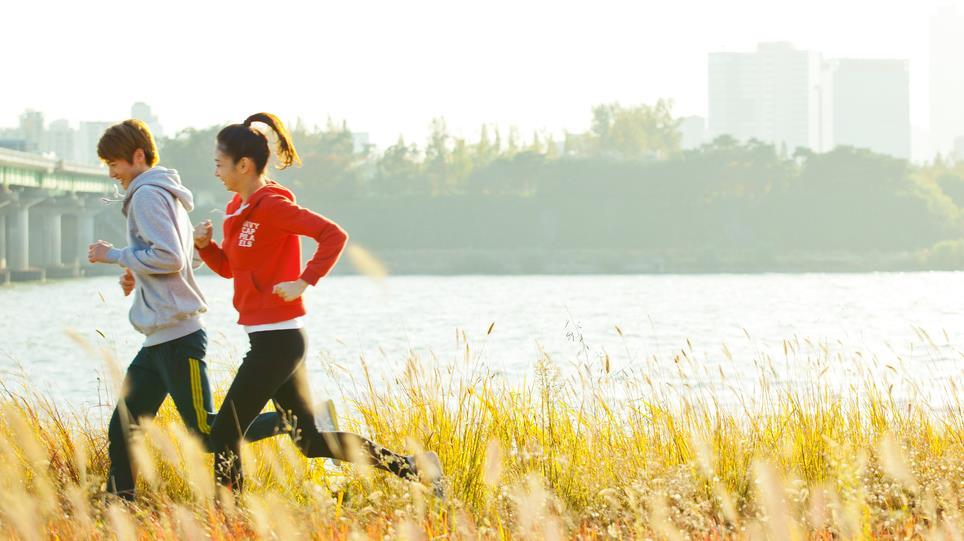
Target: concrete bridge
(50,211)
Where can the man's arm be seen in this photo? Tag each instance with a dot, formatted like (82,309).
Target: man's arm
(153,212)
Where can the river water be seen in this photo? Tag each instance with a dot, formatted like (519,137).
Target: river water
(728,330)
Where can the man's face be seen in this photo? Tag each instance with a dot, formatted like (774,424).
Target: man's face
(123,171)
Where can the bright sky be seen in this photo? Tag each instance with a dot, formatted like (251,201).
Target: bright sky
(389,67)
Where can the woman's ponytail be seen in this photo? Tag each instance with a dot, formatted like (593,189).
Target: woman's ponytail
(244,141)
(287,155)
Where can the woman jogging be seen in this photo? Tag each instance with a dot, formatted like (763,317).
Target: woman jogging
(261,251)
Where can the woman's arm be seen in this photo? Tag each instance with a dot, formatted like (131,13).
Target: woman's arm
(214,257)
(288,216)
(210,252)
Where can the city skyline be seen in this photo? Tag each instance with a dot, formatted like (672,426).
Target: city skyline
(795,98)
(59,137)
(853,116)
(537,66)
(766,94)
(776,94)
(946,78)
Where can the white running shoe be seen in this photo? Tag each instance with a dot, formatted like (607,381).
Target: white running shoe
(428,468)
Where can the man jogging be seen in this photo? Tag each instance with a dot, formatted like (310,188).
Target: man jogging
(159,268)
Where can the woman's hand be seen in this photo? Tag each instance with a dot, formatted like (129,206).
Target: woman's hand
(202,233)
(290,291)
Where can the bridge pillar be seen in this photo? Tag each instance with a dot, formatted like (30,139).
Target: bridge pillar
(3,241)
(85,236)
(52,212)
(18,220)
(5,200)
(28,180)
(52,234)
(85,210)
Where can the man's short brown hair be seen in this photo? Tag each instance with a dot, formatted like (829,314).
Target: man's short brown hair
(120,141)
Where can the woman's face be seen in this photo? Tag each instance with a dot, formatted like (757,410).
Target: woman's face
(226,169)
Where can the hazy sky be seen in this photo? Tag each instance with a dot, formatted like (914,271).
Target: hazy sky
(389,67)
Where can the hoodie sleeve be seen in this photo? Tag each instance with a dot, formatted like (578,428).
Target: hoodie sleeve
(153,212)
(288,216)
(196,260)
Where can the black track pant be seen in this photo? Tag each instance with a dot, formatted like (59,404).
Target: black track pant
(174,368)
(274,369)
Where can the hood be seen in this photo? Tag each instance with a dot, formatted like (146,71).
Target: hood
(161,177)
(269,189)
(236,208)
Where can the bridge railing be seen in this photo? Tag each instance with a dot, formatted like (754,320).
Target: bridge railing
(37,171)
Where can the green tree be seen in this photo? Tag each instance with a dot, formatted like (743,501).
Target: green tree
(436,166)
(398,171)
(330,166)
(191,152)
(485,151)
(636,132)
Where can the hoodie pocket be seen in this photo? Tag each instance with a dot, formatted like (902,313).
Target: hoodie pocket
(185,300)
(247,296)
(266,292)
(142,316)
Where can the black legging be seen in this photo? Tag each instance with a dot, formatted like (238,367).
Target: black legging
(274,369)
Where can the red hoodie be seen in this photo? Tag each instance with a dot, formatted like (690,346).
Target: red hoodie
(261,248)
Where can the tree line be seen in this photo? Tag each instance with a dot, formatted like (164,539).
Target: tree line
(623,185)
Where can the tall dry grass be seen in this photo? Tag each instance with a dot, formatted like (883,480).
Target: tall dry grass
(580,453)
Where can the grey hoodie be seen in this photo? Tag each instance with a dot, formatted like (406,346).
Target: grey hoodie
(160,253)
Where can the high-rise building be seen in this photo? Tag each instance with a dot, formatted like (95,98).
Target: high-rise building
(88,134)
(959,149)
(769,95)
(866,104)
(60,140)
(946,78)
(32,129)
(692,131)
(142,112)
(13,139)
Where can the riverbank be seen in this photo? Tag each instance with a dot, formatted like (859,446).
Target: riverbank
(550,458)
(519,261)
(570,262)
